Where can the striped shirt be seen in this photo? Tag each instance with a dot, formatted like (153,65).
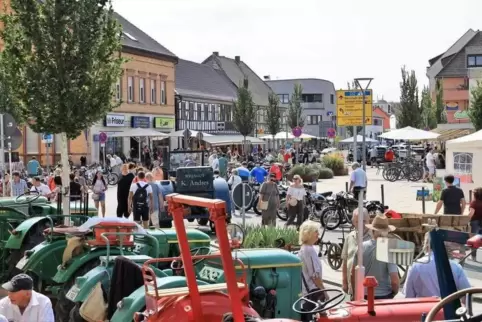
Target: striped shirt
(38,310)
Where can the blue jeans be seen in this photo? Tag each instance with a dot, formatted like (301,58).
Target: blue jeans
(475,228)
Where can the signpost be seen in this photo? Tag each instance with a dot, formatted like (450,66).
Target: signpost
(331,133)
(349,107)
(243,196)
(102,140)
(297,131)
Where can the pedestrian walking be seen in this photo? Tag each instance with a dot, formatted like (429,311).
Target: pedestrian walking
(269,202)
(123,187)
(358,181)
(295,197)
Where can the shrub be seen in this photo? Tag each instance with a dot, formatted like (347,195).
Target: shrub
(307,173)
(325,173)
(334,162)
(266,236)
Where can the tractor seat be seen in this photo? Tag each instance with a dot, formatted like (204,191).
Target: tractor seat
(62,230)
(180,291)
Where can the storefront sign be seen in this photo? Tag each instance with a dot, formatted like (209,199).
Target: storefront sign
(163,123)
(113,120)
(141,121)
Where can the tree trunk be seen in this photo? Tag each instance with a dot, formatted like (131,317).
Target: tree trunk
(64,160)
(245,148)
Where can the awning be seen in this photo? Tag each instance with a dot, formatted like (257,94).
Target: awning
(217,140)
(449,134)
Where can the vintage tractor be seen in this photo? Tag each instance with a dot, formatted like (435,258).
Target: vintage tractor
(22,221)
(70,252)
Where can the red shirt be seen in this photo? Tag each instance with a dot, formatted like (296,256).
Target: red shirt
(276,170)
(389,155)
(477,206)
(286,157)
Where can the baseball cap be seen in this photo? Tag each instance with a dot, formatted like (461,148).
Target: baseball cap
(20,282)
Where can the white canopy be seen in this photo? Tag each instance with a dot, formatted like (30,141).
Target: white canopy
(180,133)
(409,133)
(359,139)
(216,140)
(473,140)
(140,132)
(286,135)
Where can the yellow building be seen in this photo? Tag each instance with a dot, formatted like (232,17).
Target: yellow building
(146,89)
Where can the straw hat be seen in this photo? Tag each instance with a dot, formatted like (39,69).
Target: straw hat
(380,223)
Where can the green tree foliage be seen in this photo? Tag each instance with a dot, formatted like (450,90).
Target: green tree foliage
(475,111)
(59,64)
(273,115)
(410,110)
(428,110)
(244,111)
(295,110)
(439,108)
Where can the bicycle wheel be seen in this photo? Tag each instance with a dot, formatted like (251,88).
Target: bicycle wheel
(393,174)
(112,178)
(330,218)
(416,174)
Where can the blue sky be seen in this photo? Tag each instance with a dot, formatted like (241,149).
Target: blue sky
(334,40)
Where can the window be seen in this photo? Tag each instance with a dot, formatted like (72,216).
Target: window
(191,111)
(186,108)
(463,166)
(332,99)
(118,90)
(312,98)
(474,61)
(200,108)
(153,91)
(163,93)
(130,89)
(389,110)
(284,98)
(142,90)
(194,112)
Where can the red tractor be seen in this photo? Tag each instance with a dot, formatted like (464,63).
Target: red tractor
(230,301)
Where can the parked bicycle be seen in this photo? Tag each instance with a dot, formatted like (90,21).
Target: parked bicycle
(410,170)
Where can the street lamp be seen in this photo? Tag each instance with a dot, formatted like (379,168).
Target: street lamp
(367,81)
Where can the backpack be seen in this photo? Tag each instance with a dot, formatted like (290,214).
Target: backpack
(140,198)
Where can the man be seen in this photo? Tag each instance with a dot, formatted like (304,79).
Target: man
(23,304)
(389,155)
(118,160)
(430,163)
(350,247)
(75,188)
(243,172)
(274,169)
(112,162)
(358,180)
(215,163)
(211,158)
(385,273)
(373,156)
(223,166)
(157,198)
(19,186)
(141,200)
(32,167)
(123,189)
(42,189)
(258,173)
(452,198)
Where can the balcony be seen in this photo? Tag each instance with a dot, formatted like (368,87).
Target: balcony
(314,106)
(456,94)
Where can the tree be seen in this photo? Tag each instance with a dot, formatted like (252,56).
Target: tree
(439,108)
(295,110)
(244,112)
(410,111)
(428,110)
(59,64)
(349,129)
(273,114)
(475,111)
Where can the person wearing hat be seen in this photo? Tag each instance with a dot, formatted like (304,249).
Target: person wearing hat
(386,274)
(269,201)
(23,304)
(358,181)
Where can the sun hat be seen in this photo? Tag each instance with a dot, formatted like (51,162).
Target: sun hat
(380,223)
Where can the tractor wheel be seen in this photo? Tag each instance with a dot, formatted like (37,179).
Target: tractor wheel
(63,306)
(165,224)
(202,221)
(74,315)
(34,237)
(334,256)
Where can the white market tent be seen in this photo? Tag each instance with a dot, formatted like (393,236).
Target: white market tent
(410,134)
(140,132)
(180,134)
(286,135)
(359,139)
(217,140)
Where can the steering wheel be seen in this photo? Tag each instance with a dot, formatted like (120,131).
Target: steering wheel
(30,196)
(177,264)
(465,313)
(321,306)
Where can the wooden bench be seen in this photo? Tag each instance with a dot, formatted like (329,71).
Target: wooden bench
(179,291)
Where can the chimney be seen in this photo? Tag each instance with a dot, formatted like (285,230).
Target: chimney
(267,77)
(237,59)
(216,53)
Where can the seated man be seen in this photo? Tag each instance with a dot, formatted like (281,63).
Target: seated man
(42,189)
(422,279)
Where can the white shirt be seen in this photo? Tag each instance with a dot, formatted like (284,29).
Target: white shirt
(43,189)
(430,160)
(234,180)
(211,159)
(118,161)
(298,193)
(3,319)
(113,162)
(38,310)
(215,164)
(134,188)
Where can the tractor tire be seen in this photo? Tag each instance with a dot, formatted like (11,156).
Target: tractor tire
(74,315)
(202,221)
(63,306)
(34,237)
(165,224)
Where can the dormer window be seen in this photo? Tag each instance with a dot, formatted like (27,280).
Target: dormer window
(474,61)
(128,35)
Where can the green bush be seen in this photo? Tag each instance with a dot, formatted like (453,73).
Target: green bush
(326,173)
(265,236)
(306,172)
(335,163)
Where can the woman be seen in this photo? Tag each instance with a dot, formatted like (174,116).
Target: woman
(295,197)
(233,180)
(269,201)
(475,215)
(99,186)
(311,266)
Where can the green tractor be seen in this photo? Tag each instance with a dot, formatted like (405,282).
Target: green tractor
(70,252)
(273,276)
(22,221)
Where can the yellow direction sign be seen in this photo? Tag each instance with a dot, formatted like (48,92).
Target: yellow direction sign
(349,107)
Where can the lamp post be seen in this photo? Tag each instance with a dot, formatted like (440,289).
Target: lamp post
(363,90)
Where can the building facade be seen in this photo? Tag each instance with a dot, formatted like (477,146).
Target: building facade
(204,100)
(146,90)
(455,73)
(319,102)
(237,71)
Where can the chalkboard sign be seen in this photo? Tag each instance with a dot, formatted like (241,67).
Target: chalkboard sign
(194,179)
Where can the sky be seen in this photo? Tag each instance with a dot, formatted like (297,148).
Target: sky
(333,40)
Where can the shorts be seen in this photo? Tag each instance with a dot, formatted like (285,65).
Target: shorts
(101,196)
(141,214)
(155,218)
(431,170)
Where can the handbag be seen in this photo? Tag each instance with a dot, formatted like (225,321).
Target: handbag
(95,196)
(293,202)
(263,205)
